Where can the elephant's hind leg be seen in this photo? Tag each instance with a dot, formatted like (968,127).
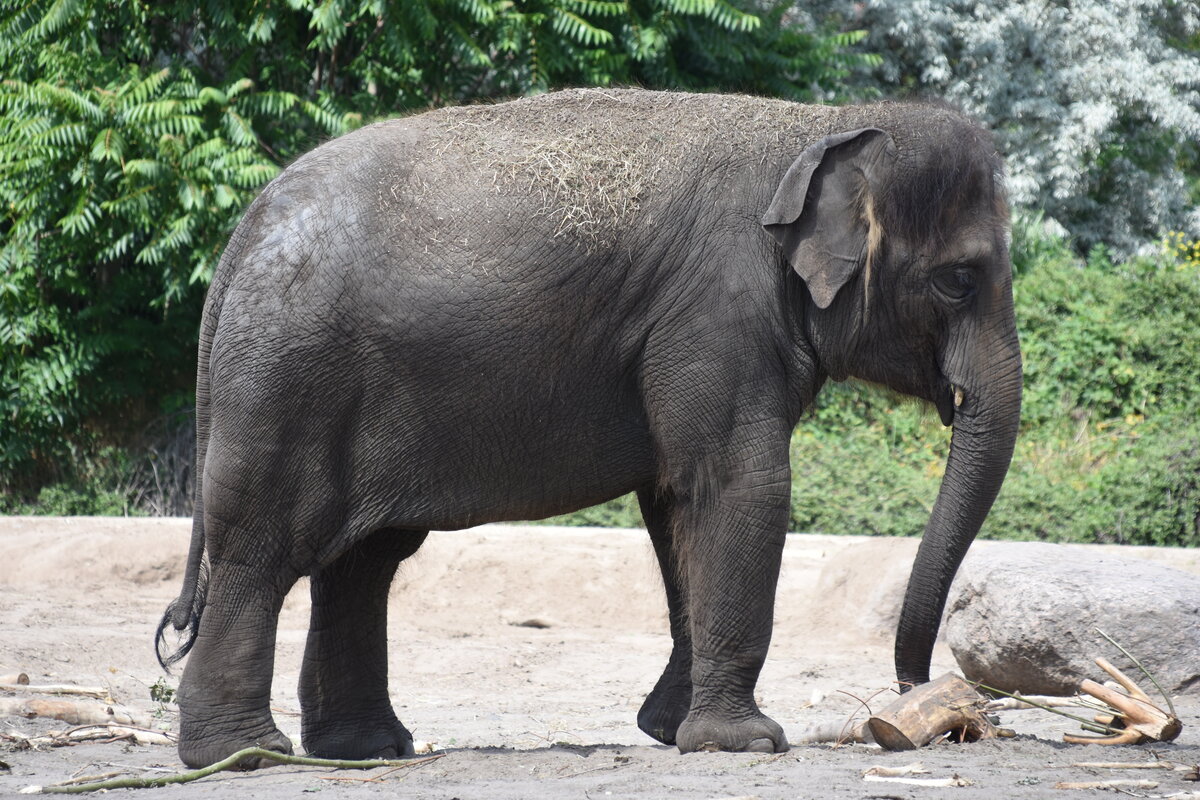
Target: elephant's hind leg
(344,701)
(667,704)
(225,692)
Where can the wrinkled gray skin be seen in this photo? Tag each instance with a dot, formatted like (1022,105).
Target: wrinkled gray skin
(508,312)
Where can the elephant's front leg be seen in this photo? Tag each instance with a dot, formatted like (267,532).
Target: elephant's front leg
(731,545)
(346,711)
(668,704)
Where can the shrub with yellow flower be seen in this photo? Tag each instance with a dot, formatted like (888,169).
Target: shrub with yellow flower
(1185,251)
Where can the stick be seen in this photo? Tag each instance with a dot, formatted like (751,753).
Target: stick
(93,778)
(915,768)
(86,691)
(1027,701)
(1031,700)
(1117,784)
(114,732)
(1126,765)
(955,781)
(836,732)
(18,679)
(229,763)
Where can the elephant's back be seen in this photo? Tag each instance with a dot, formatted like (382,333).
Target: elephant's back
(601,163)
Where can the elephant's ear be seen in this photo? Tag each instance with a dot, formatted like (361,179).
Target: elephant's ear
(822,213)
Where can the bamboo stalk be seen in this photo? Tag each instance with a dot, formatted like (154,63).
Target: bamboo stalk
(229,763)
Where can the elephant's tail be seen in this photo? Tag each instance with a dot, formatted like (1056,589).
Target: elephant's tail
(183,614)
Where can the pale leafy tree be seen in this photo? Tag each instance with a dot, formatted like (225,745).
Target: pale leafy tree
(1095,103)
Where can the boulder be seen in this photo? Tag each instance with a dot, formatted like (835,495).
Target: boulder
(1023,617)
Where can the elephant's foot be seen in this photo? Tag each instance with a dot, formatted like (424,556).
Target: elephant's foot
(664,711)
(358,739)
(196,751)
(756,733)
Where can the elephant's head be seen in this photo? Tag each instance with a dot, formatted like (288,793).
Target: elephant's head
(901,240)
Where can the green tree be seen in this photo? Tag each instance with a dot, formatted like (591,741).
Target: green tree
(121,174)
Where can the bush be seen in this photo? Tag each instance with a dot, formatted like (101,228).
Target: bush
(98,488)
(620,513)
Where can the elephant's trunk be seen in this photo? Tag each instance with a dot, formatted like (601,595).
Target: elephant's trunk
(981,447)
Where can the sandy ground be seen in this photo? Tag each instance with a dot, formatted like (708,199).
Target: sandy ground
(517,711)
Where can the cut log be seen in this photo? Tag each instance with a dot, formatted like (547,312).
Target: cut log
(930,711)
(18,679)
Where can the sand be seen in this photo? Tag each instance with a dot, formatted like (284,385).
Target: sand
(515,711)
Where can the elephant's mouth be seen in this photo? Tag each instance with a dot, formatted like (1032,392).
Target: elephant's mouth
(948,398)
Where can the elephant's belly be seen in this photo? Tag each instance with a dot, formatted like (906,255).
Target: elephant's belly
(516,475)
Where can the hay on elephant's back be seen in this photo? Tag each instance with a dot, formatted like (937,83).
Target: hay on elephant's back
(593,156)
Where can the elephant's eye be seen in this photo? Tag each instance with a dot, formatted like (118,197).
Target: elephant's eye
(957,282)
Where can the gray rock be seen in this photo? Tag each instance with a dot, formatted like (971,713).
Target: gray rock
(1023,617)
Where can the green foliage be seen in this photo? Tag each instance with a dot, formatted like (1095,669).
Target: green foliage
(121,175)
(866,461)
(1116,485)
(620,513)
(1111,434)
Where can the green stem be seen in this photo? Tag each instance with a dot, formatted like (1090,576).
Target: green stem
(228,763)
(1145,671)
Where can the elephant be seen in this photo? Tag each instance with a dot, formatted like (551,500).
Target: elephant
(514,310)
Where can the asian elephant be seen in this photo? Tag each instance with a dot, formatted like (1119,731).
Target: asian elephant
(509,311)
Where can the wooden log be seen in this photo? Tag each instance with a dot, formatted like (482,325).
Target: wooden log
(930,711)
(17,679)
(75,712)
(98,692)
(1138,719)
